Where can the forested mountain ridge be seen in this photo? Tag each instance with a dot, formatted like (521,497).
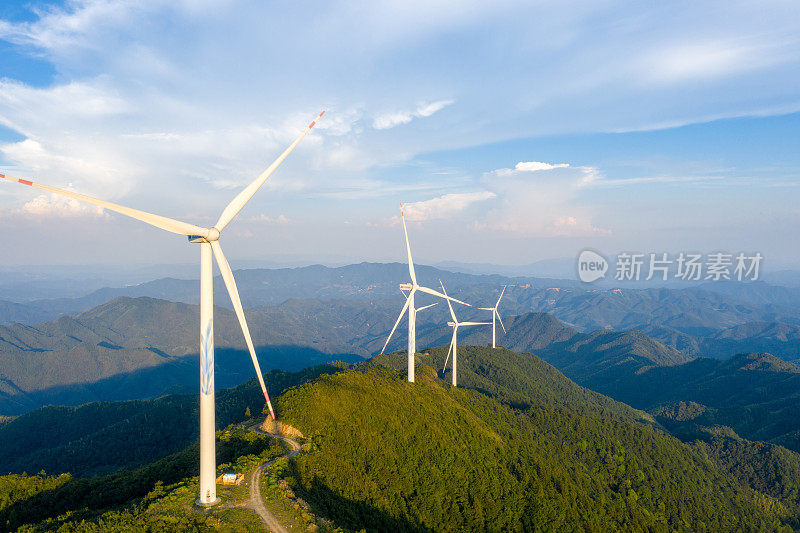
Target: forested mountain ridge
(695,310)
(780,339)
(143,347)
(104,437)
(138,348)
(516,445)
(587,358)
(542,455)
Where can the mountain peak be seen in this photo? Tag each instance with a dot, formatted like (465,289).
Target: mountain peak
(761,362)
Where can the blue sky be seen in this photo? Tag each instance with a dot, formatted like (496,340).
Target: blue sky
(513,132)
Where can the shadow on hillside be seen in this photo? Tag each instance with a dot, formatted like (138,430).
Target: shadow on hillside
(351,514)
(175,375)
(102,438)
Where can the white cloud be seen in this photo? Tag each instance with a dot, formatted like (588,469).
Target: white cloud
(266,219)
(56,161)
(54,206)
(396,118)
(538,199)
(588,174)
(444,206)
(532,199)
(673,63)
(647,180)
(163,119)
(533,166)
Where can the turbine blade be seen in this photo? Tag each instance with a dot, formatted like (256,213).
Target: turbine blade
(236,205)
(408,249)
(427,306)
(450,349)
(501,296)
(452,313)
(399,318)
(230,284)
(440,295)
(501,320)
(168,224)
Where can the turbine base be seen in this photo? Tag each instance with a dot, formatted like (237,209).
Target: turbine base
(198,503)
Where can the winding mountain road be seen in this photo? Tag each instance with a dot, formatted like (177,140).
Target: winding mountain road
(256,502)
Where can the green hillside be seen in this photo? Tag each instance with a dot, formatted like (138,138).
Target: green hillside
(105,437)
(389,455)
(154,497)
(517,446)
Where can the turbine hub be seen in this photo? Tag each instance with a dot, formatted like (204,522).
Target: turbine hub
(213,235)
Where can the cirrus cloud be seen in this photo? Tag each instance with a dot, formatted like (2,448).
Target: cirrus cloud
(444,206)
(389,120)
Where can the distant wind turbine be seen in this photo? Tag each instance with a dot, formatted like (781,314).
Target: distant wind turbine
(496,314)
(455,324)
(413,287)
(208,238)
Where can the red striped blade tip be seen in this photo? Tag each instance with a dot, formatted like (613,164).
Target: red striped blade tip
(315,120)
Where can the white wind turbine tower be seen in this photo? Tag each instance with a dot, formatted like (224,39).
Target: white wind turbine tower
(208,238)
(496,314)
(455,324)
(413,287)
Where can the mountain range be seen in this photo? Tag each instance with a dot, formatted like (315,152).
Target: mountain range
(516,446)
(140,348)
(696,310)
(143,347)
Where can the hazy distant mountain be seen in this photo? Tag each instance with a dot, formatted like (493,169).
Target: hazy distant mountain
(562,268)
(693,310)
(11,312)
(587,358)
(782,340)
(135,348)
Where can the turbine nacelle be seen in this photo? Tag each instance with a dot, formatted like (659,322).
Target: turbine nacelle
(407,286)
(211,236)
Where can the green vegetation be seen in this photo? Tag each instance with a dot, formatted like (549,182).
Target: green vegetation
(768,468)
(104,437)
(153,497)
(517,446)
(755,394)
(389,455)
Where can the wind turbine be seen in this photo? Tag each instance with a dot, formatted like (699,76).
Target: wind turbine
(208,238)
(454,342)
(418,309)
(496,314)
(413,287)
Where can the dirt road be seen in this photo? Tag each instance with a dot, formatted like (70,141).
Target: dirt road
(256,503)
